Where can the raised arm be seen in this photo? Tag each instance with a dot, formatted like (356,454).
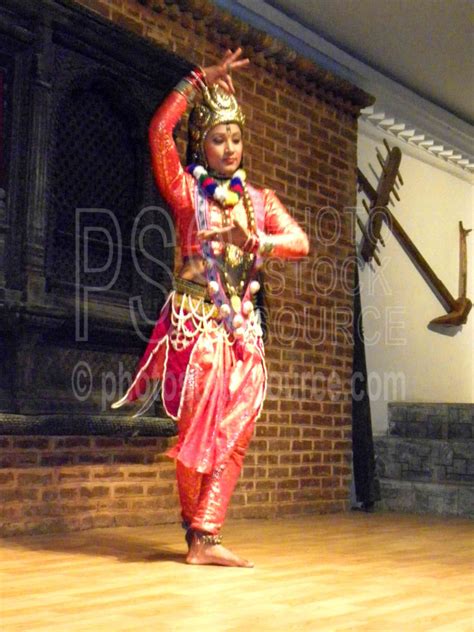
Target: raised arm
(167,169)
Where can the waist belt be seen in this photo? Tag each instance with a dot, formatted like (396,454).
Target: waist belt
(193,297)
(196,290)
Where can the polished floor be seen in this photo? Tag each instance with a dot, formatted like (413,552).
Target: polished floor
(371,572)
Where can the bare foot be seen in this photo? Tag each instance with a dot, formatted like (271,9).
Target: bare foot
(201,553)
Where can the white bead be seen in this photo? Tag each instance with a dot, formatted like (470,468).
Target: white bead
(199,171)
(212,287)
(247,307)
(254,287)
(239,332)
(220,194)
(237,321)
(224,310)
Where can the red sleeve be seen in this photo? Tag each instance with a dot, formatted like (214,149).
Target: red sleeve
(288,239)
(167,169)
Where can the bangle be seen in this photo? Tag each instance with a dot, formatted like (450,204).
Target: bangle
(199,71)
(187,89)
(198,78)
(266,246)
(251,244)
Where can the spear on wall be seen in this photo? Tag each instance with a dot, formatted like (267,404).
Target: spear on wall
(458,309)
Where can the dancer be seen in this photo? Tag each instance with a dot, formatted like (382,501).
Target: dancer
(206,352)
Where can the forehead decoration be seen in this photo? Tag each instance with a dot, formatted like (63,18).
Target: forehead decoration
(217,107)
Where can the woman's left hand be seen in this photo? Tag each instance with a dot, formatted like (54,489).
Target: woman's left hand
(221,73)
(235,234)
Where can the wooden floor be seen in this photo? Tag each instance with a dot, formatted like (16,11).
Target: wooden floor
(371,572)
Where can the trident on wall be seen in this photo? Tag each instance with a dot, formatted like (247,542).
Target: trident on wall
(389,183)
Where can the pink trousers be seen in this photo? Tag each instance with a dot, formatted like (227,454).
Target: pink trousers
(215,390)
(204,498)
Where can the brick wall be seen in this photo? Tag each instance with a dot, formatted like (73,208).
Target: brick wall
(53,484)
(299,461)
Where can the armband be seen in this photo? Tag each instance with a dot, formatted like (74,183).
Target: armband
(187,89)
(189,85)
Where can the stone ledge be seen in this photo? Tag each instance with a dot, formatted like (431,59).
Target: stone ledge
(410,497)
(84,425)
(425,460)
(432,421)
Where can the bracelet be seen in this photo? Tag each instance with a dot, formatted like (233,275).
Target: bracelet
(187,89)
(188,86)
(198,78)
(199,70)
(251,244)
(266,246)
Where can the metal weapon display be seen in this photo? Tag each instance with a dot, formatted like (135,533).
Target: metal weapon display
(389,182)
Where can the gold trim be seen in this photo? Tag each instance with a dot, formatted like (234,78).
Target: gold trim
(196,290)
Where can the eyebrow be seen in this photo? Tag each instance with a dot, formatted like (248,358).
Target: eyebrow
(224,134)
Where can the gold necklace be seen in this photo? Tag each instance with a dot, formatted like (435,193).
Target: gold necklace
(236,261)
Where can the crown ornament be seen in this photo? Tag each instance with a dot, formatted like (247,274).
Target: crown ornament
(217,107)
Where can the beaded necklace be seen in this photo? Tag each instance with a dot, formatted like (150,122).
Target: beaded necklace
(235,258)
(236,262)
(227,196)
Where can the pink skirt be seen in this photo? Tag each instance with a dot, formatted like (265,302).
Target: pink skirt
(214,389)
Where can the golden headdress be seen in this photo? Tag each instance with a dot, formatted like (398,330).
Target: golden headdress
(218,106)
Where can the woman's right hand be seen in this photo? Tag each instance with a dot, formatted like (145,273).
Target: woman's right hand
(235,234)
(221,73)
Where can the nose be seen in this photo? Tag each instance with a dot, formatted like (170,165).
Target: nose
(228,146)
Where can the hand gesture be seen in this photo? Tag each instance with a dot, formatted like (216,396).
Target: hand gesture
(235,234)
(221,73)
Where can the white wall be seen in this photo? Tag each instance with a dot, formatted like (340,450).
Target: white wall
(406,361)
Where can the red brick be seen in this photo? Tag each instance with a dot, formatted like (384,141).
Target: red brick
(283,496)
(31,443)
(8,495)
(35,478)
(292,458)
(6,478)
(130,490)
(311,482)
(72,442)
(50,494)
(68,493)
(94,492)
(288,484)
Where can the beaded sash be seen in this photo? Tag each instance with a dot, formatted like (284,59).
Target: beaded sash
(235,314)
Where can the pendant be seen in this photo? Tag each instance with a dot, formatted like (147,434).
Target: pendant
(236,303)
(234,255)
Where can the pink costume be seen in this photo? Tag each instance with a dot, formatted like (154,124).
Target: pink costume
(212,381)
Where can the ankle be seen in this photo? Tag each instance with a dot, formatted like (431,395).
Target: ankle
(189,532)
(201,537)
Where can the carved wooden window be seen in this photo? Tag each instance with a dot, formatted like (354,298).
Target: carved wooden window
(3,107)
(94,166)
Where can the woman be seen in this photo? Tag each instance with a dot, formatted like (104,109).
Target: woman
(206,348)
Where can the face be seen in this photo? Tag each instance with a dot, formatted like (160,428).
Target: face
(223,148)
